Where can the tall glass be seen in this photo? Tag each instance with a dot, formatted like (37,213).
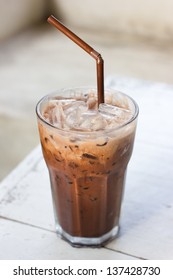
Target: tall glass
(87,171)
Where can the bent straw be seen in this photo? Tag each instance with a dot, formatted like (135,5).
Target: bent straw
(99,61)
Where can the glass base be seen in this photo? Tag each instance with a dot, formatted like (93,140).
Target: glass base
(77,241)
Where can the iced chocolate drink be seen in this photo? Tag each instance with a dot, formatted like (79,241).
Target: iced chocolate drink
(87,150)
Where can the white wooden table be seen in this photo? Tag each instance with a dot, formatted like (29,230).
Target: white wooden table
(26,215)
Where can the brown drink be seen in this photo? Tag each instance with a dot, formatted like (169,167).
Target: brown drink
(87,150)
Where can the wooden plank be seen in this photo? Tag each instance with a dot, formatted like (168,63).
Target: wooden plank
(24,242)
(28,164)
(27,190)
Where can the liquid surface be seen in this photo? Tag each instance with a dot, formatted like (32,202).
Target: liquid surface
(83,114)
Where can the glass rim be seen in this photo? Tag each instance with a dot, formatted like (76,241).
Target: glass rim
(84,132)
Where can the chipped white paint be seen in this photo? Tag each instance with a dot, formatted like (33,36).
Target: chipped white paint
(27,222)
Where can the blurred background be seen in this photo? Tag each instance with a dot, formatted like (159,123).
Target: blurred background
(134,37)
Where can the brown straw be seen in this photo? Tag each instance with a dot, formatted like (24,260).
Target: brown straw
(99,61)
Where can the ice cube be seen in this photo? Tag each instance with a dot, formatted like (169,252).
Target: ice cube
(92,121)
(73,113)
(112,110)
(92,103)
(66,103)
(114,113)
(80,106)
(57,116)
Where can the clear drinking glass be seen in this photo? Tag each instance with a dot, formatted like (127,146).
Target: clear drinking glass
(87,171)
